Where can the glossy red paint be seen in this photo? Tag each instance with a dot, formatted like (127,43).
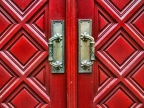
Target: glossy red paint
(26,80)
(117,75)
(115,81)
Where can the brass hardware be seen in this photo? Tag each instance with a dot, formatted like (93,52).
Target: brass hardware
(86,46)
(56,47)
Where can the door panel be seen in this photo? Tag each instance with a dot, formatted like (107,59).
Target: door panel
(26,80)
(116,80)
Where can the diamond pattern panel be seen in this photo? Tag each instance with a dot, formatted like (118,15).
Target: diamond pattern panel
(119,100)
(40,22)
(120,4)
(3,22)
(22,4)
(103,22)
(103,76)
(21,7)
(136,22)
(4,76)
(40,76)
(23,50)
(139,23)
(121,7)
(24,100)
(139,77)
(120,50)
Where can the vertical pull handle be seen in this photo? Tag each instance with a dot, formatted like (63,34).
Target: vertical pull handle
(56,47)
(56,64)
(87,63)
(86,46)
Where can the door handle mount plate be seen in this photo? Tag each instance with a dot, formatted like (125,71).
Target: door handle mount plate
(56,47)
(86,46)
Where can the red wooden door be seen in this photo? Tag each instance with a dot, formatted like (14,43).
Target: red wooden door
(117,76)
(25,75)
(117,79)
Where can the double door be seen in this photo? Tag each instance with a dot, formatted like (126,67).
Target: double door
(115,79)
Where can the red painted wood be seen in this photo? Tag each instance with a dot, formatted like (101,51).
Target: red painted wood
(71,53)
(25,73)
(58,91)
(85,81)
(116,79)
(117,75)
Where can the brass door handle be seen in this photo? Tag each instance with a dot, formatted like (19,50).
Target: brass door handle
(86,46)
(56,47)
(56,64)
(85,37)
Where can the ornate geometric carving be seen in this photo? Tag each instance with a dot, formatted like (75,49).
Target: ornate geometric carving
(105,77)
(23,4)
(22,99)
(6,22)
(4,76)
(120,50)
(37,77)
(136,23)
(119,100)
(40,22)
(139,77)
(136,77)
(21,8)
(120,4)
(7,77)
(22,53)
(102,76)
(37,23)
(121,7)
(22,49)
(119,97)
(40,76)
(105,22)
(139,23)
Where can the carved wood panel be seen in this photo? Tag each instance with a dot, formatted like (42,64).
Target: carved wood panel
(23,54)
(120,53)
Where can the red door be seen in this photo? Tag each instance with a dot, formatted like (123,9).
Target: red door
(26,80)
(117,79)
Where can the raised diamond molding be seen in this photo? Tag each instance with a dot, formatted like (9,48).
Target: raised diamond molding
(21,8)
(121,7)
(119,100)
(23,4)
(6,22)
(22,96)
(119,50)
(136,23)
(22,99)
(105,22)
(136,77)
(5,76)
(119,97)
(22,49)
